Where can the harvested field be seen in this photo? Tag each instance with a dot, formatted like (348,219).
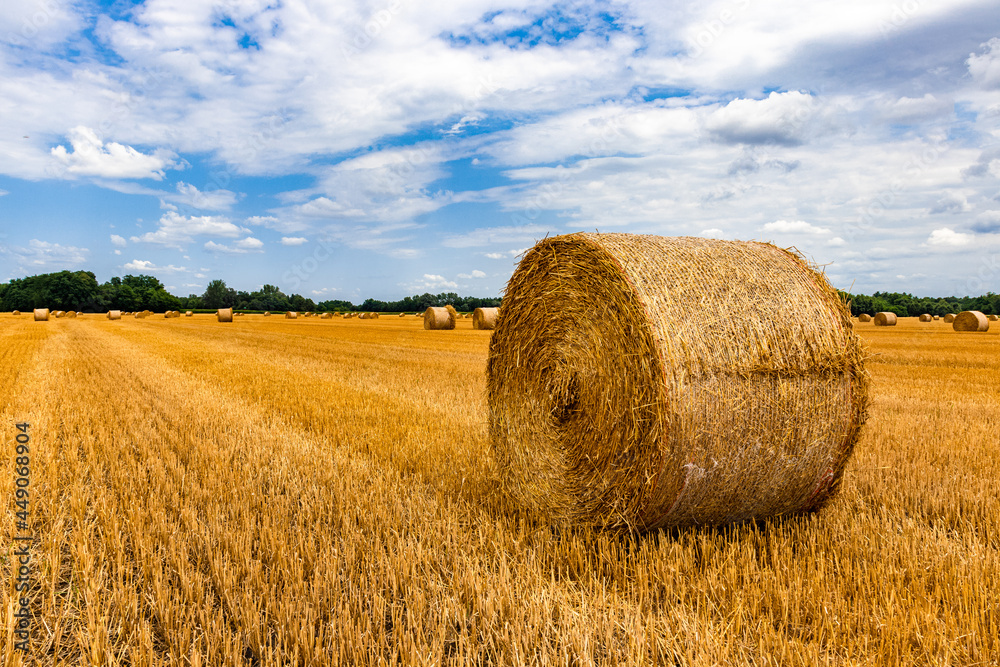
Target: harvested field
(351,528)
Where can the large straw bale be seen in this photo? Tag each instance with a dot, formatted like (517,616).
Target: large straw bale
(885,319)
(41,314)
(971,320)
(114,314)
(638,382)
(864,317)
(291,314)
(485,318)
(224,314)
(926,318)
(949,318)
(440,318)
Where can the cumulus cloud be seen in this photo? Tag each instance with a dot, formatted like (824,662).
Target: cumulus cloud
(985,67)
(780,118)
(952,202)
(485,236)
(293,240)
(93,157)
(146,266)
(987,222)
(118,241)
(431,281)
(476,273)
(176,230)
(211,200)
(43,254)
(793,227)
(948,238)
(241,247)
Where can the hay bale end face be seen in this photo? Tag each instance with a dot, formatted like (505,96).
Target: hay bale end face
(436,318)
(224,314)
(41,314)
(971,320)
(606,425)
(864,317)
(949,318)
(926,318)
(485,318)
(885,319)
(114,314)
(291,314)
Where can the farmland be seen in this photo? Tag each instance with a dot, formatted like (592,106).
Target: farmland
(322,492)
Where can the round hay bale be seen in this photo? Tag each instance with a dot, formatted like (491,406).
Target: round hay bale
(59,313)
(971,320)
(188,314)
(440,318)
(485,318)
(41,314)
(71,313)
(224,314)
(402,314)
(267,313)
(114,314)
(864,317)
(626,410)
(373,316)
(992,318)
(949,318)
(308,313)
(885,319)
(16,313)
(937,317)
(925,318)
(291,314)
(325,316)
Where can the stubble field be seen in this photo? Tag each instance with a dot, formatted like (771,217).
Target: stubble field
(313,492)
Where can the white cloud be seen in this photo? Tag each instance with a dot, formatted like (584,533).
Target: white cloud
(249,243)
(506,254)
(713,234)
(476,273)
(780,118)
(146,266)
(45,255)
(793,227)
(176,230)
(947,238)
(952,202)
(836,242)
(911,110)
(3,193)
(293,240)
(985,67)
(485,236)
(241,247)
(92,157)
(212,200)
(118,241)
(429,282)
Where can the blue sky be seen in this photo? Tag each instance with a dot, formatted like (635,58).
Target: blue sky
(385,148)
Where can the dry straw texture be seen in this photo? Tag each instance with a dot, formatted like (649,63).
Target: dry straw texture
(41,314)
(926,318)
(627,410)
(864,317)
(485,318)
(971,320)
(885,319)
(291,314)
(440,318)
(949,318)
(114,314)
(224,314)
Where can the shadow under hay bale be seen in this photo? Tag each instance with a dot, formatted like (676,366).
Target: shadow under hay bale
(653,419)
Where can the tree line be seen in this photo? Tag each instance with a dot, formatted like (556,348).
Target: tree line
(907,305)
(80,291)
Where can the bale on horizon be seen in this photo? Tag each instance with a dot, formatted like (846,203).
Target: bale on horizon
(224,314)
(440,318)
(993,318)
(885,319)
(601,384)
(114,314)
(41,314)
(291,314)
(971,320)
(16,313)
(925,318)
(485,318)
(864,317)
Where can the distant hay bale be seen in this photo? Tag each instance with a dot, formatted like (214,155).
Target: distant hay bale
(402,314)
(59,313)
(937,317)
(70,313)
(440,318)
(373,316)
(41,314)
(611,404)
(291,314)
(325,316)
(864,317)
(926,318)
(16,313)
(485,318)
(114,314)
(224,314)
(885,319)
(971,320)
(308,313)
(267,313)
(949,318)
(336,313)
(992,318)
(188,314)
